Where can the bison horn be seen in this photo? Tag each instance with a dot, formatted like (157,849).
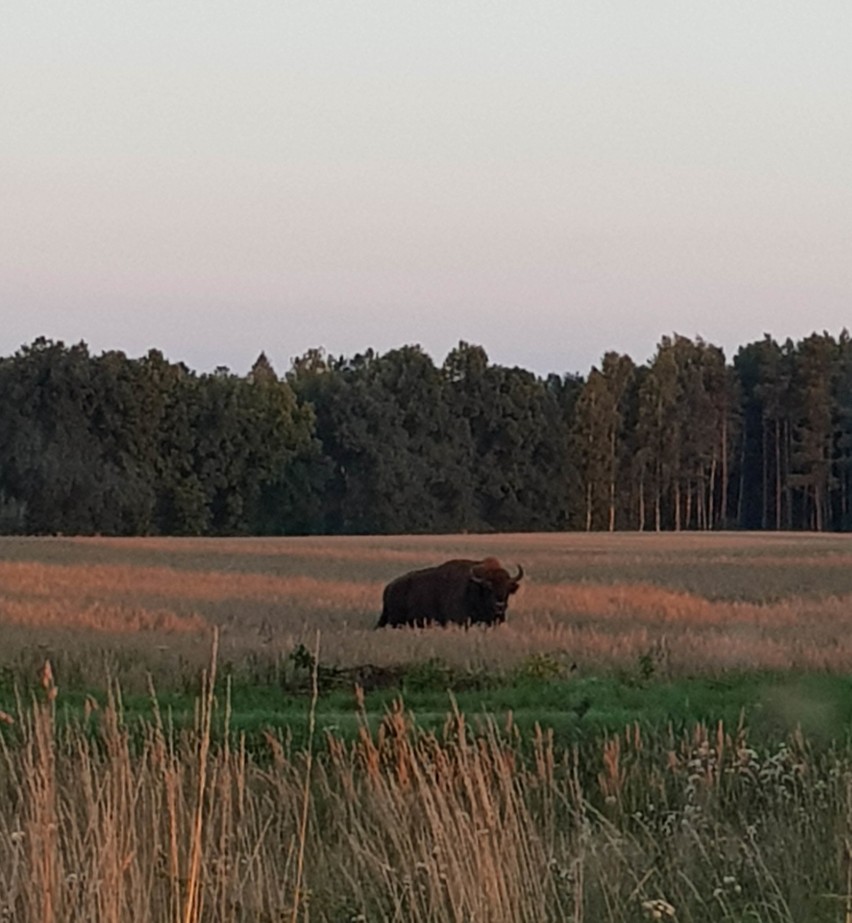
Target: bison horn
(520,574)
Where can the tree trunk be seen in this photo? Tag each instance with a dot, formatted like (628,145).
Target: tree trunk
(777,475)
(788,498)
(764,499)
(742,477)
(711,500)
(817,507)
(723,503)
(657,503)
(588,505)
(677,504)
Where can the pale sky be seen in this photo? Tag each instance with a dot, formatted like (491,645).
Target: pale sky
(547,179)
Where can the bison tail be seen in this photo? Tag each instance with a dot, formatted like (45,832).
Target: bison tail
(383,619)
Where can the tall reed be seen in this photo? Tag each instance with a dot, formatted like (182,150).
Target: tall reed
(106,820)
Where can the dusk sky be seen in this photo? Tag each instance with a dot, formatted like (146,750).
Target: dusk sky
(547,179)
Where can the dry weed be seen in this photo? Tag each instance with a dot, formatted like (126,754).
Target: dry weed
(132,825)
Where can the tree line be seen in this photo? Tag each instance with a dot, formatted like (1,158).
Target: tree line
(393,443)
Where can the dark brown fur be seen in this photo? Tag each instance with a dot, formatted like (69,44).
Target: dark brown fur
(458,592)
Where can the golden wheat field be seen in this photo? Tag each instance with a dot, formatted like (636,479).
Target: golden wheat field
(698,601)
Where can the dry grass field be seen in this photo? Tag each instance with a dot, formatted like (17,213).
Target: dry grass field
(696,602)
(110,818)
(409,828)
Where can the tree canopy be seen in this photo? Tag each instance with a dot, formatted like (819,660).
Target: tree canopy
(393,442)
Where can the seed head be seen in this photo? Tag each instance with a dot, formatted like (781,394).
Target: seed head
(46,675)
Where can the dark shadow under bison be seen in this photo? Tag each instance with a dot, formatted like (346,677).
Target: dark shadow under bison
(459,592)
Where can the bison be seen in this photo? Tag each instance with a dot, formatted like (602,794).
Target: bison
(459,592)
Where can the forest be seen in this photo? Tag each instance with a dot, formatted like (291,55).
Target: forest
(393,443)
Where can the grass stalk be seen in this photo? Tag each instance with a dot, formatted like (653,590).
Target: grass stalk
(306,789)
(193,905)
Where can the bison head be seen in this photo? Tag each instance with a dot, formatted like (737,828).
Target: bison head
(495,585)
